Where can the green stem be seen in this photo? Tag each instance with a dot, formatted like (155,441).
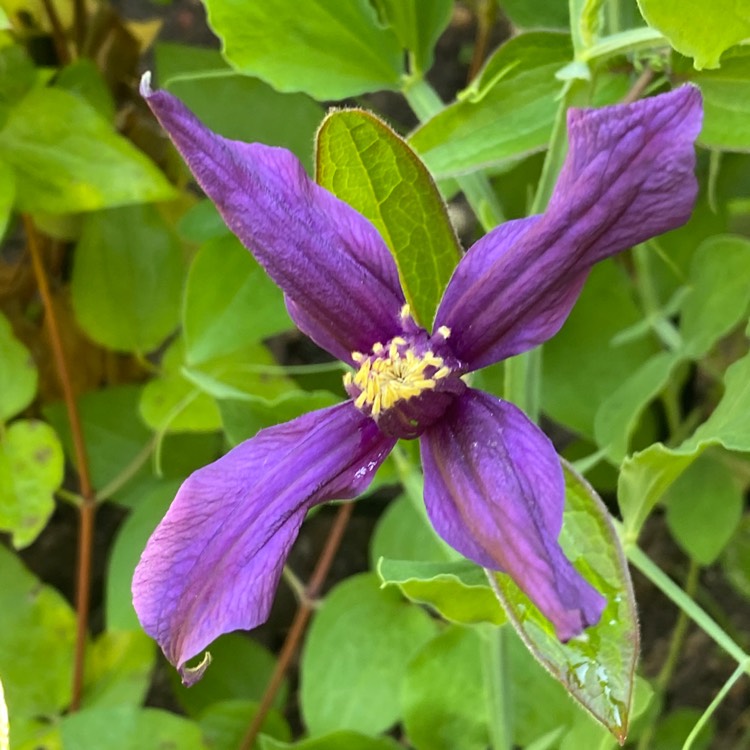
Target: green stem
(666,332)
(675,647)
(522,381)
(523,373)
(728,685)
(476,187)
(127,473)
(672,591)
(496,684)
(679,632)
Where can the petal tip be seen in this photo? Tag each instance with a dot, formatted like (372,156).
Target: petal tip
(145,86)
(587,615)
(191,675)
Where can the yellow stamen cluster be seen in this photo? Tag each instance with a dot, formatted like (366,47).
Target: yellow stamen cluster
(390,375)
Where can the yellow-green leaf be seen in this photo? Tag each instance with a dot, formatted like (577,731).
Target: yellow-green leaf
(363,162)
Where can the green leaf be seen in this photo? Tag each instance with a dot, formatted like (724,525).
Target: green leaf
(458,591)
(250,374)
(357,687)
(37,632)
(403,533)
(118,669)
(445,707)
(539,703)
(535,14)
(18,374)
(736,558)
(202,79)
(17,76)
(201,223)
(644,478)
(719,295)
(331,51)
(673,730)
(126,551)
(229,302)
(704,508)
(68,158)
(7,196)
(619,414)
(716,302)
(585,26)
(507,112)
(4,726)
(172,403)
(647,475)
(698,29)
(127,278)
(597,668)
(726,102)
(582,365)
(31,469)
(84,79)
(112,430)
(418,24)
(242,419)
(126,728)
(363,162)
(224,724)
(334,741)
(240,670)
(590,20)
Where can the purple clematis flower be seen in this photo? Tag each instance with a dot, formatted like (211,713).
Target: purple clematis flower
(493,483)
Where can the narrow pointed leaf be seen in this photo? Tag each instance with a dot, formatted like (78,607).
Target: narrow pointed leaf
(363,162)
(597,668)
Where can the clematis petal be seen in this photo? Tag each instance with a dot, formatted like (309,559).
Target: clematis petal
(628,176)
(495,491)
(328,259)
(213,563)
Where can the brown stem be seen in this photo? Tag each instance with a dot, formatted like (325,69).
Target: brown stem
(485,21)
(639,87)
(88,504)
(301,617)
(58,33)
(80,22)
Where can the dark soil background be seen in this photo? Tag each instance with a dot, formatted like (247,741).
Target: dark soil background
(702,667)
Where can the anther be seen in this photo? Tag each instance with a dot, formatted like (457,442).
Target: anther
(444,331)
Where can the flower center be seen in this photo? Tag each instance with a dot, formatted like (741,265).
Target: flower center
(394,374)
(404,384)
